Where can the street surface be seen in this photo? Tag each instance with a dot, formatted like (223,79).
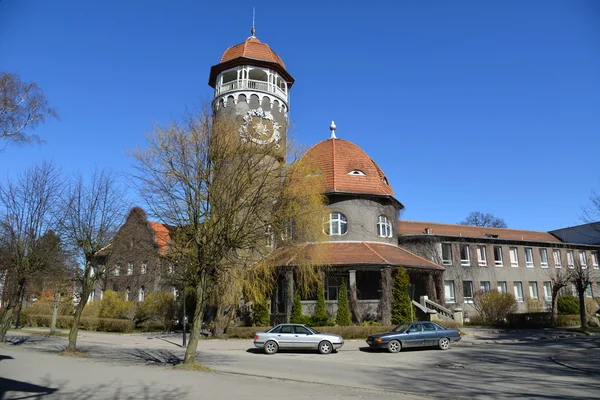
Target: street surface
(484,365)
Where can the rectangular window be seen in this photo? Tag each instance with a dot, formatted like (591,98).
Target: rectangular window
(529,257)
(498,256)
(544,258)
(130,269)
(570,259)
(518,286)
(588,291)
(548,291)
(446,254)
(595,259)
(468,291)
(557,258)
(117,270)
(533,290)
(502,287)
(465,260)
(514,257)
(481,256)
(583,258)
(484,286)
(333,286)
(144,268)
(449,292)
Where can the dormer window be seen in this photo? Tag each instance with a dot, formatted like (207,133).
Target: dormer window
(357,172)
(384,180)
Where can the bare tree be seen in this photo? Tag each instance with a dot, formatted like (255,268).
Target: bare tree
(22,106)
(226,201)
(559,278)
(93,211)
(477,218)
(582,276)
(28,213)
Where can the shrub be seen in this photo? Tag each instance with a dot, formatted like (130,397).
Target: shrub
(530,320)
(534,305)
(494,306)
(401,304)
(86,323)
(92,309)
(347,332)
(320,308)
(114,305)
(296,316)
(568,320)
(568,305)
(44,305)
(260,313)
(343,312)
(157,307)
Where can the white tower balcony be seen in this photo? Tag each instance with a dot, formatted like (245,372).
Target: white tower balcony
(250,78)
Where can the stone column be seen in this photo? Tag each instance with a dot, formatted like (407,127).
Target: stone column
(385,304)
(289,294)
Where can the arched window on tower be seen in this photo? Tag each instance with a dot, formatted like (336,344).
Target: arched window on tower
(336,225)
(384,227)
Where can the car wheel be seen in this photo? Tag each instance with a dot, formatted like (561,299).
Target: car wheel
(325,347)
(271,347)
(444,343)
(394,346)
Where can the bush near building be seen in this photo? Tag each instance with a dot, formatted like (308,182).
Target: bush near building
(260,313)
(493,307)
(568,305)
(343,311)
(401,303)
(156,312)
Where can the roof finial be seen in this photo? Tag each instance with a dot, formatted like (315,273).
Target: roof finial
(253,31)
(332,129)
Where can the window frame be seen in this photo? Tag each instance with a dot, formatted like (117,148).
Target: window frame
(570,259)
(144,269)
(595,259)
(557,258)
(528,257)
(482,256)
(485,286)
(583,259)
(449,284)
(464,250)
(502,286)
(129,269)
(339,220)
(547,290)
(534,291)
(515,251)
(500,262)
(384,227)
(518,291)
(467,285)
(449,260)
(543,254)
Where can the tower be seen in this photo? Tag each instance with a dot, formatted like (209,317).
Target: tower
(252,85)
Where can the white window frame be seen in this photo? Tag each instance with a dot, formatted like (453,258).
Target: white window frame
(117,271)
(127,290)
(518,290)
(338,221)
(589,291)
(557,257)
(583,258)
(384,227)
(533,290)
(144,269)
(449,293)
(570,259)
(543,256)
(142,293)
(528,257)
(449,260)
(485,286)
(595,259)
(547,291)
(468,299)
(500,262)
(465,262)
(514,261)
(481,256)
(130,268)
(502,287)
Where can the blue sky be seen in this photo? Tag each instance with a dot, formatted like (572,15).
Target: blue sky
(466,105)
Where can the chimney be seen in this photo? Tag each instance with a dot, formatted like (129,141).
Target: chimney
(428,231)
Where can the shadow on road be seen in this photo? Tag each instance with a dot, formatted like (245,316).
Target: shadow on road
(9,385)
(155,356)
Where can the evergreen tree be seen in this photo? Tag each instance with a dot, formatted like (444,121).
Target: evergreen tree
(343,313)
(320,316)
(401,303)
(297,317)
(260,313)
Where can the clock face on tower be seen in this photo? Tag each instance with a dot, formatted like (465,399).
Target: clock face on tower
(260,127)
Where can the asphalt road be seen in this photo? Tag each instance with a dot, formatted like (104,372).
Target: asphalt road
(566,368)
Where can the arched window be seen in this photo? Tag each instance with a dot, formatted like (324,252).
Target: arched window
(384,227)
(142,293)
(337,224)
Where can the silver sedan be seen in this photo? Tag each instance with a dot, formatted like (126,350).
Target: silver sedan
(297,336)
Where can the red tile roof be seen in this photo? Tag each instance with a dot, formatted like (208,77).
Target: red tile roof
(252,48)
(161,236)
(418,228)
(337,157)
(356,253)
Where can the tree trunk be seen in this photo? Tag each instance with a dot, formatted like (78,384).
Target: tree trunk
(582,311)
(5,320)
(555,307)
(192,346)
(75,327)
(55,312)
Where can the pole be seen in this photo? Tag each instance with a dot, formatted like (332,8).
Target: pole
(411,292)
(184,319)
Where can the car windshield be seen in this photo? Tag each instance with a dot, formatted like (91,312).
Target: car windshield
(401,327)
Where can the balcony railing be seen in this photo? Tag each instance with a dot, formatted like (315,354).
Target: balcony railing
(253,85)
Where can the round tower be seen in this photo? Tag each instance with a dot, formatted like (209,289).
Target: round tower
(252,85)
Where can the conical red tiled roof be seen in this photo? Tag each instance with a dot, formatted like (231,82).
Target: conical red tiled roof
(254,49)
(346,168)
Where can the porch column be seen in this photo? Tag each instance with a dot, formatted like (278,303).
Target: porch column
(439,285)
(385,304)
(430,287)
(289,294)
(354,309)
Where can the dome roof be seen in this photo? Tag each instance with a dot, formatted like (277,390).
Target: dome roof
(346,168)
(254,49)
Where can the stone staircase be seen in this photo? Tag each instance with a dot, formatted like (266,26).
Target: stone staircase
(435,312)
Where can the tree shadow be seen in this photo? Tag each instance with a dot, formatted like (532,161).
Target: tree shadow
(10,385)
(3,357)
(155,356)
(18,340)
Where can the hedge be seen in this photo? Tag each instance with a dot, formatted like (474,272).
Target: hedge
(86,323)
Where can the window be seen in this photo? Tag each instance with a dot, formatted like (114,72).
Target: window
(588,291)
(481,256)
(127,293)
(484,286)
(384,227)
(583,258)
(533,290)
(449,292)
(270,237)
(498,256)
(130,269)
(117,270)
(595,259)
(357,172)
(144,268)
(518,286)
(548,291)
(333,286)
(175,292)
(300,330)
(446,254)
(468,291)
(544,258)
(142,295)
(171,268)
(337,224)
(529,257)
(570,259)
(502,287)
(557,258)
(465,260)
(514,257)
